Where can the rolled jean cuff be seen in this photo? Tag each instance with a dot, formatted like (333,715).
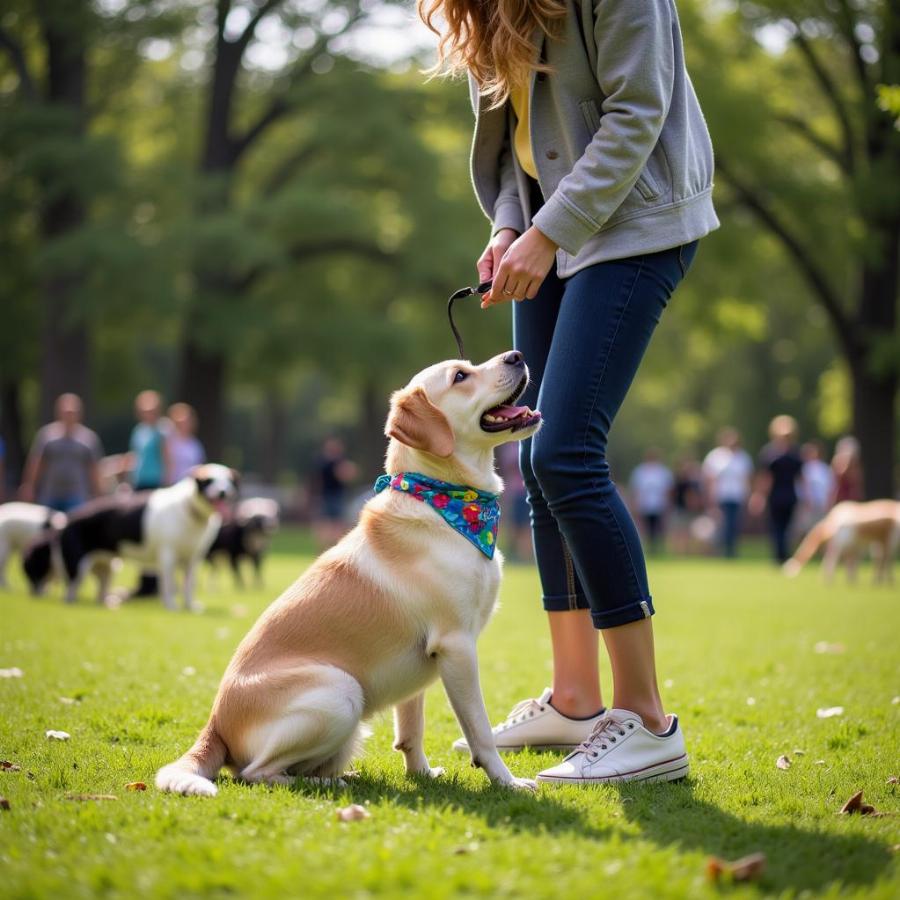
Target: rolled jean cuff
(622,615)
(565,602)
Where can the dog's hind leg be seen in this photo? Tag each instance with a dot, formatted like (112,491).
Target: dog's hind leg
(315,730)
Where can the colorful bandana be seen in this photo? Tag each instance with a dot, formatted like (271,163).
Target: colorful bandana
(472,513)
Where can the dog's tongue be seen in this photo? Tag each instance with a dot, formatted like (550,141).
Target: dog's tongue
(507,412)
(221,507)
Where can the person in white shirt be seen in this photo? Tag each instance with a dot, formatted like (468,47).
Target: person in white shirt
(651,490)
(727,474)
(818,480)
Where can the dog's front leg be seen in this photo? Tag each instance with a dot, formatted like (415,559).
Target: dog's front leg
(458,667)
(409,731)
(190,583)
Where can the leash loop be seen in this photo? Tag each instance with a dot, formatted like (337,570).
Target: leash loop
(482,288)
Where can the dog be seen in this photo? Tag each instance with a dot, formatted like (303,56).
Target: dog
(396,604)
(164,529)
(845,531)
(20,524)
(247,536)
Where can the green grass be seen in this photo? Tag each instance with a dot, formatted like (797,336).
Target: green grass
(144,680)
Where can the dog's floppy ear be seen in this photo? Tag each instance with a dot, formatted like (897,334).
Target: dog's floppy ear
(415,421)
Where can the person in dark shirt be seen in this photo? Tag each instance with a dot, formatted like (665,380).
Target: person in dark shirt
(334,472)
(780,468)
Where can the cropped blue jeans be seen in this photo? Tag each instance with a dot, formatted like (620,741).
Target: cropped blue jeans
(583,338)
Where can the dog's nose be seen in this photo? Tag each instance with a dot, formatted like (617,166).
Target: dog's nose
(223,495)
(514,358)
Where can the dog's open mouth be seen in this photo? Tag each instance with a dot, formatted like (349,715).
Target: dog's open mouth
(506,416)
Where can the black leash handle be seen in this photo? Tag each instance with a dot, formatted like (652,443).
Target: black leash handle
(482,288)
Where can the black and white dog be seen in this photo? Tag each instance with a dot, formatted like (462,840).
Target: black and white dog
(165,529)
(247,536)
(20,524)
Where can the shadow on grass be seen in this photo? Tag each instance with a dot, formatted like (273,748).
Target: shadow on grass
(798,859)
(498,806)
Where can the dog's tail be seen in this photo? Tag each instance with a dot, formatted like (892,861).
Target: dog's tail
(192,773)
(809,546)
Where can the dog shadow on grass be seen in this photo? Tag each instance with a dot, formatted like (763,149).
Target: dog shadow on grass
(498,807)
(797,858)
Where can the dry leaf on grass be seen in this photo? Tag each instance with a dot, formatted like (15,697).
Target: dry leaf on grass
(783,762)
(748,868)
(4,803)
(58,735)
(135,786)
(799,752)
(14,672)
(91,797)
(856,806)
(7,766)
(353,813)
(825,647)
(829,712)
(893,780)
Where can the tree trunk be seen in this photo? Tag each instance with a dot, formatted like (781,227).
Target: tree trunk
(275,420)
(202,384)
(65,362)
(11,430)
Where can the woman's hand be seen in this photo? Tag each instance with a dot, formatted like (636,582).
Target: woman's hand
(489,261)
(523,268)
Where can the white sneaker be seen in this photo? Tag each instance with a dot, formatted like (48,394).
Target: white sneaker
(535,723)
(620,748)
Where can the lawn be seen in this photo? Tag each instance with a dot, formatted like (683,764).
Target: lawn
(741,657)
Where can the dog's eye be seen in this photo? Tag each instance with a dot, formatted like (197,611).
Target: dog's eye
(460,376)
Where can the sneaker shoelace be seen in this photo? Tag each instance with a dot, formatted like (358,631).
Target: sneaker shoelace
(521,711)
(605,732)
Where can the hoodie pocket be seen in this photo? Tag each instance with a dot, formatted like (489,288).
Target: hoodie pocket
(646,184)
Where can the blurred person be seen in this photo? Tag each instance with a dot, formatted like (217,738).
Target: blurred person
(148,461)
(780,468)
(848,471)
(651,486)
(515,503)
(727,471)
(184,450)
(687,503)
(818,481)
(334,472)
(62,471)
(577,156)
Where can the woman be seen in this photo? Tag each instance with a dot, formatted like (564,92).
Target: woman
(184,448)
(592,161)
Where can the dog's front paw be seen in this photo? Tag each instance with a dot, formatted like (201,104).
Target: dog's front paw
(426,771)
(520,784)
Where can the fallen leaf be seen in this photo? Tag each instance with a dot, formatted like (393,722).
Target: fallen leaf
(825,647)
(91,797)
(188,671)
(6,765)
(465,849)
(748,868)
(799,752)
(353,813)
(856,806)
(4,803)
(819,762)
(14,672)
(829,712)
(58,735)
(783,762)
(69,701)
(892,780)
(135,786)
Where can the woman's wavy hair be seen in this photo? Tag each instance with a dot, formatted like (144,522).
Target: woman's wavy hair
(492,39)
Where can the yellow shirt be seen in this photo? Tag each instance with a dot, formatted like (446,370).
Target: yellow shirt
(521,104)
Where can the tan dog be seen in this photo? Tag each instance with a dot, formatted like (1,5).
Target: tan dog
(396,604)
(848,529)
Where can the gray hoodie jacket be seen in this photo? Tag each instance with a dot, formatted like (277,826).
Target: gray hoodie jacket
(621,148)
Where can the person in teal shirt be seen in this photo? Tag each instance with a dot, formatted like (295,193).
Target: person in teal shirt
(148,443)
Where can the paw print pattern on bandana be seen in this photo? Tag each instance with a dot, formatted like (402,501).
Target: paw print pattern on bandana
(472,513)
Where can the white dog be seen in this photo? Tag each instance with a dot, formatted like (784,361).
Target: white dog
(396,604)
(20,524)
(164,530)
